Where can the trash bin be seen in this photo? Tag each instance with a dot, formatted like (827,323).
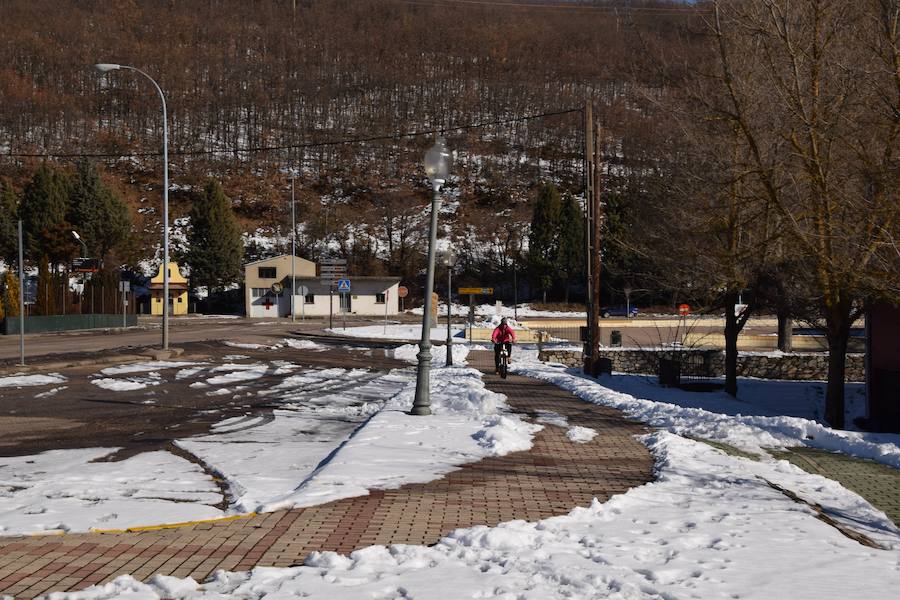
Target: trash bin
(669,372)
(615,338)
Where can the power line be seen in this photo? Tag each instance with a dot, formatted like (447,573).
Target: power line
(505,4)
(253,149)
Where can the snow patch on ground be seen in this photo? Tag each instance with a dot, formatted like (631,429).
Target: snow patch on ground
(715,417)
(393,448)
(19,380)
(581,435)
(710,526)
(144,367)
(488,310)
(398,332)
(410,353)
(128,384)
(74,490)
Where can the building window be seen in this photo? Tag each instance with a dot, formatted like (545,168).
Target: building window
(180,299)
(260,292)
(267,273)
(309,299)
(379,299)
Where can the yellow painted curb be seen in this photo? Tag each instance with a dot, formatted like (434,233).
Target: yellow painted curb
(174,525)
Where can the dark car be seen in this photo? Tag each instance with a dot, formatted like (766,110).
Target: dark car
(617,311)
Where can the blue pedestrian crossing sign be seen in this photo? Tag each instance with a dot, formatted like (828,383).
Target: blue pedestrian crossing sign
(343,285)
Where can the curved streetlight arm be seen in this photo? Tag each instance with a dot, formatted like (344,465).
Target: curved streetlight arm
(104,68)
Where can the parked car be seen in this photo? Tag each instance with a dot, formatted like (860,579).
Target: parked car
(617,311)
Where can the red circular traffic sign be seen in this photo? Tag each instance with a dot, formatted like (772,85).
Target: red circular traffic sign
(684,310)
(402,291)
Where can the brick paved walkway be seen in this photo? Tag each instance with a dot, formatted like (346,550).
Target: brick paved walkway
(877,483)
(550,479)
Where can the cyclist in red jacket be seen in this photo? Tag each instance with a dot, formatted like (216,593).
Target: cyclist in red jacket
(503,336)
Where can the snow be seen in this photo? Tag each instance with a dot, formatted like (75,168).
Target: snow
(18,380)
(398,332)
(129,384)
(74,490)
(393,448)
(581,435)
(247,346)
(710,526)
(51,392)
(488,310)
(237,372)
(303,345)
(714,416)
(143,367)
(410,353)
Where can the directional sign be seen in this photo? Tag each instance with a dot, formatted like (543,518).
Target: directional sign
(333,261)
(484,291)
(343,285)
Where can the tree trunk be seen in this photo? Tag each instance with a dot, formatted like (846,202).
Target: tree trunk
(568,283)
(732,329)
(785,331)
(838,333)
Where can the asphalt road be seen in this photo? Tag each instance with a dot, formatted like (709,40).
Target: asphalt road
(49,346)
(181,331)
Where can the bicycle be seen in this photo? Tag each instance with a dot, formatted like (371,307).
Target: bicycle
(504,361)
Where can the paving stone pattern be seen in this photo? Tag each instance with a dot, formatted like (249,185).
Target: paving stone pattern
(550,479)
(877,483)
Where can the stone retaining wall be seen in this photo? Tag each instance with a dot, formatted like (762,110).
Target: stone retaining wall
(711,363)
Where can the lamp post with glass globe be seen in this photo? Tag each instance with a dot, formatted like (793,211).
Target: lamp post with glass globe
(437,167)
(105,68)
(449,259)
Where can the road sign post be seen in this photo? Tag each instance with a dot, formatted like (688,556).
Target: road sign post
(472,292)
(303,291)
(124,287)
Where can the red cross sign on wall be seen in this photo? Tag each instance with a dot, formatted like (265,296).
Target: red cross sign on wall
(268,304)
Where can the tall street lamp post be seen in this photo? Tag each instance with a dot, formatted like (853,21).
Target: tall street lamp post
(105,68)
(449,261)
(84,250)
(437,167)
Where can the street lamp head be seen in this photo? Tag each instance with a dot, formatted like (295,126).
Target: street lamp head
(437,162)
(77,237)
(106,67)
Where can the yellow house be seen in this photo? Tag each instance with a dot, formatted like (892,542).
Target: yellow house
(178,292)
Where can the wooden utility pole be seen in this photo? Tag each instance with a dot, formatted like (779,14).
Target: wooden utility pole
(597,222)
(588,351)
(592,241)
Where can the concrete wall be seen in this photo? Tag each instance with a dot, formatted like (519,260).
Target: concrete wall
(700,363)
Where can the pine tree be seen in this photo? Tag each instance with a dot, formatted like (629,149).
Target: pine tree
(570,253)
(543,240)
(2,303)
(215,246)
(45,301)
(100,217)
(8,228)
(11,294)
(43,210)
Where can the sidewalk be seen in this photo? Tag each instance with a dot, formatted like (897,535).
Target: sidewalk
(550,479)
